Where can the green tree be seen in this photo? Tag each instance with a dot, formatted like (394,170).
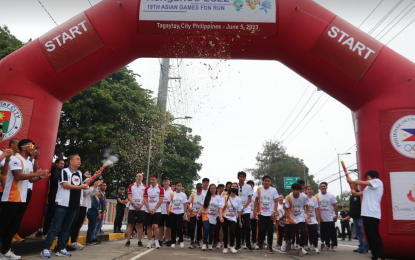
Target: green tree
(275,162)
(8,42)
(344,199)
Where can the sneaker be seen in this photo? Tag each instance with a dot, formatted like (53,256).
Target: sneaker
(219,245)
(192,245)
(210,247)
(250,249)
(140,244)
(334,248)
(233,250)
(157,244)
(161,242)
(270,250)
(304,251)
(168,243)
(70,248)
(326,248)
(306,248)
(322,247)
(357,250)
(204,247)
(63,252)
(214,245)
(10,255)
(284,246)
(127,244)
(316,250)
(197,244)
(172,246)
(181,244)
(256,247)
(39,234)
(244,247)
(78,246)
(101,232)
(225,250)
(289,246)
(362,251)
(300,252)
(45,253)
(149,243)
(237,247)
(342,239)
(145,237)
(261,246)
(90,243)
(96,241)
(297,247)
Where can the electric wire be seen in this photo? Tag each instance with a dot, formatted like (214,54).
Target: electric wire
(397,22)
(370,14)
(90,3)
(47,12)
(400,32)
(332,161)
(385,17)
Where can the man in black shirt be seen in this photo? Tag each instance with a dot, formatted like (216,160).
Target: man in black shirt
(53,188)
(120,207)
(355,213)
(345,219)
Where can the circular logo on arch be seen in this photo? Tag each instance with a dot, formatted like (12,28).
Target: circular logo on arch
(402,136)
(11,119)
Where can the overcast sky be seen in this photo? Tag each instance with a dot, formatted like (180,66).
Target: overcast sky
(249,101)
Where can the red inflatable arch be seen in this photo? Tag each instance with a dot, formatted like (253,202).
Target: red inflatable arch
(371,79)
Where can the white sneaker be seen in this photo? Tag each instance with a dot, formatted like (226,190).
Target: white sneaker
(210,247)
(256,247)
(145,237)
(334,248)
(173,246)
(77,246)
(9,255)
(204,247)
(284,246)
(157,244)
(233,250)
(181,245)
(306,248)
(300,252)
(225,250)
(245,247)
(149,243)
(317,251)
(219,245)
(304,251)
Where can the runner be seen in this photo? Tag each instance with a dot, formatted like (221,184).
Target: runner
(136,210)
(267,205)
(231,218)
(195,202)
(177,205)
(328,215)
(164,220)
(205,183)
(314,224)
(254,222)
(245,193)
(122,200)
(210,209)
(228,187)
(218,228)
(371,211)
(282,221)
(296,206)
(153,198)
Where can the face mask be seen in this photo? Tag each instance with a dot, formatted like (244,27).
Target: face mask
(234,190)
(178,188)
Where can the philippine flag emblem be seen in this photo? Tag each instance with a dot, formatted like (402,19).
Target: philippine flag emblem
(408,135)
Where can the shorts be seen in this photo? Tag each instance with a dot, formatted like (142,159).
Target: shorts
(136,217)
(152,219)
(164,221)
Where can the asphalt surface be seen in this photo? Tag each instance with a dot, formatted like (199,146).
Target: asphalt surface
(116,250)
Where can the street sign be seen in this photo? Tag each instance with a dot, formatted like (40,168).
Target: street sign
(288,181)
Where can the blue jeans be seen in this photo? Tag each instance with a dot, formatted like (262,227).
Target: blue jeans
(359,233)
(208,232)
(92,223)
(63,216)
(99,226)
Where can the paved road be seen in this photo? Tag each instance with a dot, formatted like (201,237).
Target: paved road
(115,250)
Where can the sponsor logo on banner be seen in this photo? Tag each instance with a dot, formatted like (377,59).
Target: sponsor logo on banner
(226,17)
(403,195)
(70,42)
(11,119)
(347,48)
(402,136)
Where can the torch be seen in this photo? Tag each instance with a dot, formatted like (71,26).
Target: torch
(96,174)
(347,176)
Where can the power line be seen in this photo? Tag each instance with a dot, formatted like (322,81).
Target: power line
(333,161)
(397,22)
(401,31)
(90,3)
(370,14)
(385,17)
(47,12)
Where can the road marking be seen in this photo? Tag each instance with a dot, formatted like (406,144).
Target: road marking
(141,254)
(346,245)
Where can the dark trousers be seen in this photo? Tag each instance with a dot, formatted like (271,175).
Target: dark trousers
(265,225)
(371,227)
(254,227)
(208,232)
(63,217)
(302,229)
(10,219)
(346,225)
(176,222)
(92,223)
(232,227)
(313,234)
(193,223)
(119,216)
(49,217)
(281,234)
(216,231)
(246,229)
(296,234)
(328,232)
(29,196)
(77,224)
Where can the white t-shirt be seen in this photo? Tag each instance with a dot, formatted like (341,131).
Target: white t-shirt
(177,201)
(16,191)
(252,205)
(153,195)
(212,212)
(326,202)
(197,203)
(281,214)
(232,207)
(296,206)
(165,199)
(266,200)
(244,192)
(372,195)
(204,192)
(312,205)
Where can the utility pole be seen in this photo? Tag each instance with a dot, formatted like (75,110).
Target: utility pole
(149,155)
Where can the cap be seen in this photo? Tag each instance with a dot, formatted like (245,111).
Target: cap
(121,188)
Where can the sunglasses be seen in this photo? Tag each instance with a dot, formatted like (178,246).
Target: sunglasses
(31,146)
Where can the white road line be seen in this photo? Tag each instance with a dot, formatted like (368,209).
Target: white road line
(346,245)
(141,254)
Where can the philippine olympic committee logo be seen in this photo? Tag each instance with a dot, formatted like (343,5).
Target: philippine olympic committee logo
(402,136)
(11,119)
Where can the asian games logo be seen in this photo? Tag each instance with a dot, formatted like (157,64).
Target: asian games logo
(11,119)
(402,136)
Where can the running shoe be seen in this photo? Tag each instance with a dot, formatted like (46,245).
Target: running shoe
(210,247)
(96,241)
(306,248)
(39,234)
(45,253)
(161,242)
(149,243)
(245,247)
(261,246)
(256,247)
(77,246)
(289,246)
(157,244)
(362,251)
(233,250)
(181,244)
(225,250)
(316,250)
(214,245)
(63,252)
(250,249)
(270,250)
(18,238)
(204,247)
(304,251)
(70,248)
(219,245)
(334,248)
(192,245)
(322,246)
(140,244)
(10,255)
(300,252)
(357,250)
(127,244)
(284,246)
(173,246)
(168,243)
(237,247)
(197,244)
(145,237)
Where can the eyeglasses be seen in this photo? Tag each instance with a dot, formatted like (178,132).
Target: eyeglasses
(31,146)
(139,176)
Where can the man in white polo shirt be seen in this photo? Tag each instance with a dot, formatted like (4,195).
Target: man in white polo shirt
(164,221)
(153,198)
(245,193)
(371,211)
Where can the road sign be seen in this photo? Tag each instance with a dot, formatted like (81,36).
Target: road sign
(288,181)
